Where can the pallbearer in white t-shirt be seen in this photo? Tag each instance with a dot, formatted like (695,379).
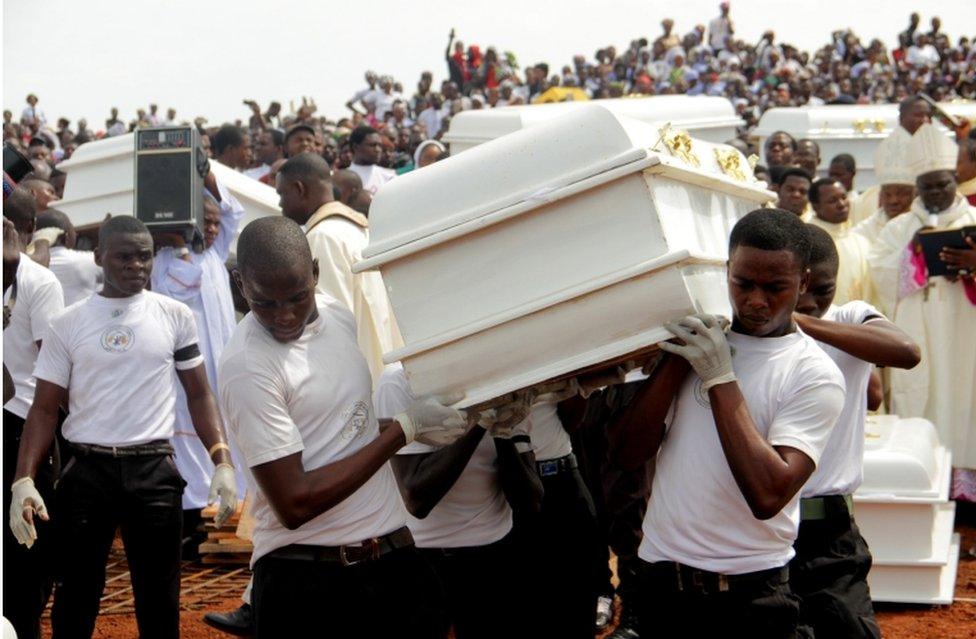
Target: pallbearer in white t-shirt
(460,499)
(330,536)
(111,359)
(735,441)
(830,569)
(77,272)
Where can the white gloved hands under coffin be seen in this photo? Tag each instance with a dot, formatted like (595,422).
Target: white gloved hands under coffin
(25,502)
(431,420)
(223,486)
(503,420)
(705,347)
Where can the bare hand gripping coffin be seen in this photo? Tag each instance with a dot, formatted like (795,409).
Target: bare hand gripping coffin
(553,249)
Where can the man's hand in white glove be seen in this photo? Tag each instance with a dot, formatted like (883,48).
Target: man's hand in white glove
(24,504)
(223,486)
(705,347)
(48,234)
(502,420)
(429,420)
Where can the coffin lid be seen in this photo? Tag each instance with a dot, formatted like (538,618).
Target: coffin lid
(903,461)
(528,169)
(692,113)
(844,121)
(100,180)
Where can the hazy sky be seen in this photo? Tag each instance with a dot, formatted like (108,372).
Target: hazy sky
(204,56)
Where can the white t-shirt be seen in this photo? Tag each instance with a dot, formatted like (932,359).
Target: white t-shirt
(116,357)
(310,396)
(474,512)
(549,439)
(373,176)
(840,468)
(697,515)
(77,272)
(39,300)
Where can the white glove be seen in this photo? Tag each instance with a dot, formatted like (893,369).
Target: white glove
(429,421)
(501,421)
(223,485)
(705,347)
(49,234)
(24,497)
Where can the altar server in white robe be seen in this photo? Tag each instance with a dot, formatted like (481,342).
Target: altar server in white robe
(200,281)
(831,208)
(938,312)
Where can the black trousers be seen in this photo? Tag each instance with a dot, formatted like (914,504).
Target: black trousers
(829,574)
(27,573)
(475,579)
(761,608)
(397,595)
(564,568)
(619,496)
(96,495)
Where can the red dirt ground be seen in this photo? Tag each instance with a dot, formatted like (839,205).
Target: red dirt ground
(957,621)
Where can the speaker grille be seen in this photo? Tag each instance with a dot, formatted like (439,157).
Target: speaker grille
(164,188)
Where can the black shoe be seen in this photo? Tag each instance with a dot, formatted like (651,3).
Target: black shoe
(239,623)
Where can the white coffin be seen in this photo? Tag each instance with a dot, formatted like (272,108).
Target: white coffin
(100,176)
(705,117)
(555,248)
(840,128)
(904,513)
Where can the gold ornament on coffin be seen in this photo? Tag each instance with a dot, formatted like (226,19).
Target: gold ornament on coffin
(680,144)
(879,125)
(861,125)
(729,162)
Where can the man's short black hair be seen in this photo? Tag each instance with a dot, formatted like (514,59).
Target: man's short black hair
(54,218)
(306,166)
(780,177)
(227,136)
(21,209)
(772,230)
(808,141)
(814,193)
(301,126)
(775,133)
(117,225)
(36,141)
(846,160)
(360,133)
(822,247)
(907,104)
(272,244)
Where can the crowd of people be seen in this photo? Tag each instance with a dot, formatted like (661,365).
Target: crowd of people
(146,379)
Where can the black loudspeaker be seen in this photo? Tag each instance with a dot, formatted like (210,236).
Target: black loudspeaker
(169,169)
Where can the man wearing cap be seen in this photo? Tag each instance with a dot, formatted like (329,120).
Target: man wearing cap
(938,312)
(896,185)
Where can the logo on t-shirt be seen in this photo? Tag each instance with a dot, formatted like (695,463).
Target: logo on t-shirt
(357,416)
(701,395)
(118,339)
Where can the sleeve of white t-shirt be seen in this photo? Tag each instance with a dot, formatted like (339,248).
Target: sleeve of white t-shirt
(54,360)
(392,396)
(186,336)
(857,312)
(811,406)
(47,301)
(253,403)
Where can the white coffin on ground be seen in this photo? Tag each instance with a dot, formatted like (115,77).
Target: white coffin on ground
(904,512)
(704,117)
(555,248)
(100,177)
(840,128)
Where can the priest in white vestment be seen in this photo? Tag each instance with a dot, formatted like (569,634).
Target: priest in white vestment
(831,211)
(938,312)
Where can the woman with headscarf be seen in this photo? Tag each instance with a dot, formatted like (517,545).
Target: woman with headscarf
(428,152)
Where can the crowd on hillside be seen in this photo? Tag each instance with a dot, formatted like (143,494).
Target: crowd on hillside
(707,60)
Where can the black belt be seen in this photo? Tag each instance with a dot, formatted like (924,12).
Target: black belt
(688,579)
(551,467)
(350,554)
(157,447)
(826,507)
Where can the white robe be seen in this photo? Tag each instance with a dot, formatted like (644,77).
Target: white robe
(853,273)
(204,285)
(943,322)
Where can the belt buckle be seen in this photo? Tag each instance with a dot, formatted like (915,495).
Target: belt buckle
(373,544)
(549,467)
